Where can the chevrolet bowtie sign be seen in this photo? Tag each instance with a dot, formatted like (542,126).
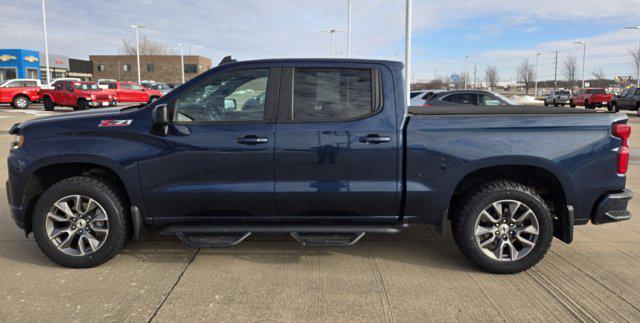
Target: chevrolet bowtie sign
(31,59)
(6,58)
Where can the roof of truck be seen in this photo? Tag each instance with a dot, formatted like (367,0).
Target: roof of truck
(319,60)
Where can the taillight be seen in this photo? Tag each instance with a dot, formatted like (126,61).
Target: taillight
(427,105)
(622,131)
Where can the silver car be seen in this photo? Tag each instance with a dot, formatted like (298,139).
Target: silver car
(557,97)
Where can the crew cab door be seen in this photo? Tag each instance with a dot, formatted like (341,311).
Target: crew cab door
(217,158)
(336,143)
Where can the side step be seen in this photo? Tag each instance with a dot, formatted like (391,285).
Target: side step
(311,236)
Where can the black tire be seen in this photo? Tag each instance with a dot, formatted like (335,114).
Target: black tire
(48,104)
(555,104)
(20,102)
(468,210)
(546,104)
(571,104)
(153,98)
(110,198)
(613,107)
(81,105)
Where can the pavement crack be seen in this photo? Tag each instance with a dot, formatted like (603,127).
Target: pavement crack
(386,304)
(174,285)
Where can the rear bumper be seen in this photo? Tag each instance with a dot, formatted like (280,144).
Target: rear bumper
(612,208)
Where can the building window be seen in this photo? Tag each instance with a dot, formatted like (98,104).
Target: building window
(149,68)
(100,67)
(190,68)
(32,73)
(8,74)
(126,67)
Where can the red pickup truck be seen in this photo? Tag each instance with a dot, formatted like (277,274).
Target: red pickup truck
(19,93)
(79,95)
(591,98)
(132,92)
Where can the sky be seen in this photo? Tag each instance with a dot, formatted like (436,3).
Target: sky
(489,32)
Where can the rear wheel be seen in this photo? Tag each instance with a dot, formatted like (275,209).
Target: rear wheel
(571,104)
(48,104)
(503,227)
(613,107)
(80,222)
(20,102)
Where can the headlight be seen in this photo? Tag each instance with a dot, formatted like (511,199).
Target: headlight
(93,97)
(18,140)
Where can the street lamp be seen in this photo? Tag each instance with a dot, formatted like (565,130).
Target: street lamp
(465,71)
(137,28)
(182,59)
(331,32)
(348,29)
(535,91)
(637,58)
(407,54)
(584,54)
(46,42)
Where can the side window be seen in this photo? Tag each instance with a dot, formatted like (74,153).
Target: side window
(464,98)
(59,86)
(14,84)
(30,83)
(69,87)
(332,94)
(489,100)
(113,86)
(231,96)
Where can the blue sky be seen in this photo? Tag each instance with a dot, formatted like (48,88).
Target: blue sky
(490,32)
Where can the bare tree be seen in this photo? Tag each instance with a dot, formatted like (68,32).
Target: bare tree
(601,77)
(147,47)
(491,76)
(570,70)
(635,60)
(526,74)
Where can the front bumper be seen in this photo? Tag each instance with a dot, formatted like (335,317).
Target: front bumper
(16,211)
(612,208)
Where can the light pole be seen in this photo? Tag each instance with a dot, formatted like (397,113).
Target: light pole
(637,55)
(535,91)
(584,55)
(331,32)
(137,28)
(465,71)
(407,54)
(46,42)
(348,29)
(182,59)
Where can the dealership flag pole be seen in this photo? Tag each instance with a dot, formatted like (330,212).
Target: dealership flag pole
(535,92)
(407,54)
(348,28)
(182,60)
(46,42)
(137,27)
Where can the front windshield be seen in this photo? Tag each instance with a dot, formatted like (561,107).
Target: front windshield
(504,98)
(87,86)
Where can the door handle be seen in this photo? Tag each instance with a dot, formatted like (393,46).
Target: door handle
(374,139)
(252,140)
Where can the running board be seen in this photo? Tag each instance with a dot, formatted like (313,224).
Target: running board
(312,236)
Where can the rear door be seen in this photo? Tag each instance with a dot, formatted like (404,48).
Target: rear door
(336,152)
(217,159)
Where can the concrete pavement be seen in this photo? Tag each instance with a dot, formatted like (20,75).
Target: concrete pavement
(413,276)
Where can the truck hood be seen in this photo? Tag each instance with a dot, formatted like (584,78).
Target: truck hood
(79,119)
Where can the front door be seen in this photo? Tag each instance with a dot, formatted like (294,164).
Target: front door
(336,144)
(217,160)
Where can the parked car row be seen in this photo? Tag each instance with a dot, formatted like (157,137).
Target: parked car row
(428,98)
(73,92)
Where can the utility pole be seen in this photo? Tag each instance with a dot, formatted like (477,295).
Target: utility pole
(348,29)
(137,28)
(584,56)
(535,91)
(46,42)
(182,60)
(465,71)
(475,75)
(331,32)
(555,77)
(407,54)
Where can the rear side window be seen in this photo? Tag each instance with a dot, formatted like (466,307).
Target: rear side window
(462,98)
(332,94)
(596,91)
(113,86)
(489,100)
(30,83)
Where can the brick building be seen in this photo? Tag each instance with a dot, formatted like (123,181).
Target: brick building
(160,68)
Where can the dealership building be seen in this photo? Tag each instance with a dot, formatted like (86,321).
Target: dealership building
(19,63)
(160,68)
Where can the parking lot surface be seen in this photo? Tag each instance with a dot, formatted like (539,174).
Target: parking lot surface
(413,276)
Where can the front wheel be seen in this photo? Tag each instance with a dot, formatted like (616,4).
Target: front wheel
(613,107)
(81,105)
(80,222)
(503,227)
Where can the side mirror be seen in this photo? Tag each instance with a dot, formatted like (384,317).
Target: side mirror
(230,104)
(160,120)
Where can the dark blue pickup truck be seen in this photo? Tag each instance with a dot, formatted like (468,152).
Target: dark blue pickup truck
(325,150)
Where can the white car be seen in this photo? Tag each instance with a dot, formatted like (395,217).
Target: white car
(52,84)
(29,81)
(418,97)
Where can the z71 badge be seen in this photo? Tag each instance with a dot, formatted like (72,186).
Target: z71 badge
(115,123)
